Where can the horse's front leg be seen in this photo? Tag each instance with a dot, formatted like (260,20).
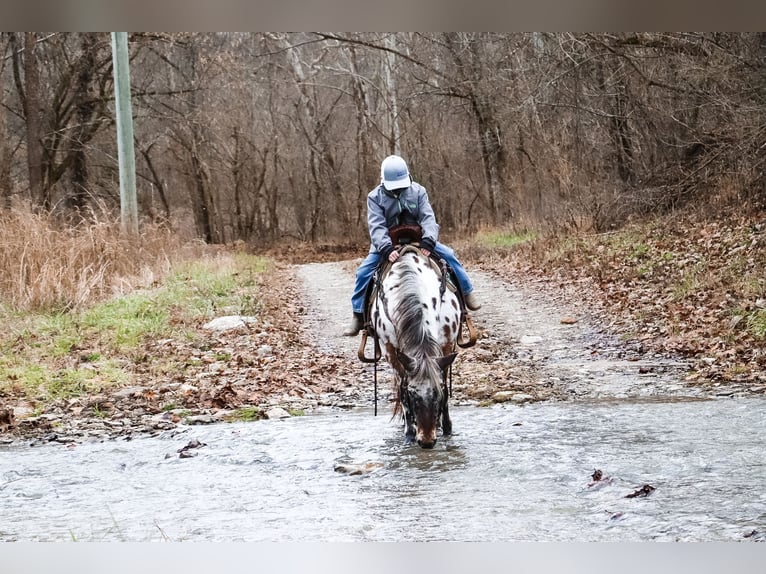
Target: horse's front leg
(410,429)
(446,420)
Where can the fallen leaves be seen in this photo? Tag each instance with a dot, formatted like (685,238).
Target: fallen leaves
(683,286)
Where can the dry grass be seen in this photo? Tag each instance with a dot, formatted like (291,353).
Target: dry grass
(45,265)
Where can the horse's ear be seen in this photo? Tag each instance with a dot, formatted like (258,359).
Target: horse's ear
(407,362)
(446,361)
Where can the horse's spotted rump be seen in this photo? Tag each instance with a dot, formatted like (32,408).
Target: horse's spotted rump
(447,332)
(433,301)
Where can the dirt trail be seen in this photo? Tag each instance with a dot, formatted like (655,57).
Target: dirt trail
(531,345)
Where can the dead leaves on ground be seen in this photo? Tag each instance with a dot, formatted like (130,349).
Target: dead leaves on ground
(685,287)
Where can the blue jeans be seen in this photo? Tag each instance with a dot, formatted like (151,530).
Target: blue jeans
(367,269)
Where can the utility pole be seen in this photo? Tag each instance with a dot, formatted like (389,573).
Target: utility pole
(125,153)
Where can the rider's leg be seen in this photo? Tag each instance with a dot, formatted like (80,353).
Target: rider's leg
(447,253)
(363,276)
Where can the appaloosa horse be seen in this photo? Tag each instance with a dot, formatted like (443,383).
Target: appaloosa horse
(417,319)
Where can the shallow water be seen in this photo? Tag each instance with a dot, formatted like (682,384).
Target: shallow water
(509,473)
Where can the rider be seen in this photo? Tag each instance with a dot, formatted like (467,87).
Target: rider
(396,201)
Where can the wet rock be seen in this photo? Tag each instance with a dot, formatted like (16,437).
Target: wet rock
(277,413)
(357,469)
(199,420)
(600,480)
(187,451)
(61,439)
(502,396)
(644,491)
(512,396)
(568,320)
(7,419)
(42,422)
(193,443)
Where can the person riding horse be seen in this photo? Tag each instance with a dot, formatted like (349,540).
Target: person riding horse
(397,201)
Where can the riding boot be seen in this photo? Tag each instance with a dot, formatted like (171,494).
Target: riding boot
(357,324)
(471,302)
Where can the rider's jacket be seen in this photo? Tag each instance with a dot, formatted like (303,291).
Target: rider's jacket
(386,209)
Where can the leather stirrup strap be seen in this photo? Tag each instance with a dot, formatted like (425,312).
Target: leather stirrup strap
(472,334)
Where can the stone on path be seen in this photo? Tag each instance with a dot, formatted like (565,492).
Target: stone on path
(228,323)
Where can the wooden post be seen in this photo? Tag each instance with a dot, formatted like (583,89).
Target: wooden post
(125,152)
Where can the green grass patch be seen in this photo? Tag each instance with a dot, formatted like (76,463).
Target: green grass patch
(126,322)
(54,355)
(246,414)
(639,251)
(756,323)
(504,240)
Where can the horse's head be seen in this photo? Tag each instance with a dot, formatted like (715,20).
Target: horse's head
(423,392)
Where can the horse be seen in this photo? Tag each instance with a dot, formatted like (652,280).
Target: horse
(416,320)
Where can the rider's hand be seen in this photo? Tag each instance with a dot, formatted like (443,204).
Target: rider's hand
(393,256)
(426,252)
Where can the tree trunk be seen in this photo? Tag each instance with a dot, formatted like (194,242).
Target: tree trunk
(84,105)
(492,153)
(33,112)
(158,183)
(202,207)
(6,161)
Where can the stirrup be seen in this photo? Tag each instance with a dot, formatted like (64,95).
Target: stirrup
(363,344)
(472,334)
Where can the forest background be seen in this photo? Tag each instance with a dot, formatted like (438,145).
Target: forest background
(256,137)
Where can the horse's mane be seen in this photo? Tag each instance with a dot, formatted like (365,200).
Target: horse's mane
(413,337)
(408,317)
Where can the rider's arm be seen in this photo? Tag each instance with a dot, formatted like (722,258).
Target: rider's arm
(427,219)
(376,221)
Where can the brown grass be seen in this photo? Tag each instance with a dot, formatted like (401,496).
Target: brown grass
(46,265)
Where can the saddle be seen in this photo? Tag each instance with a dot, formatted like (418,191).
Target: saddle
(449,281)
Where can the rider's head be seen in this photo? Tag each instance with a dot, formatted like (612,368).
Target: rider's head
(394,173)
